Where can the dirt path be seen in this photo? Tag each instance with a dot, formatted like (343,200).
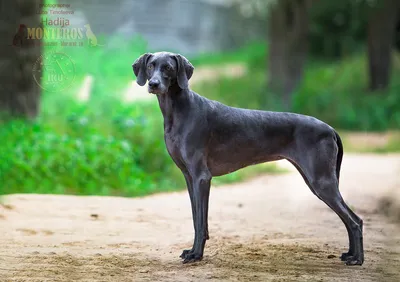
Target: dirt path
(268,229)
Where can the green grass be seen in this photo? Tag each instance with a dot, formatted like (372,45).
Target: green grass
(392,146)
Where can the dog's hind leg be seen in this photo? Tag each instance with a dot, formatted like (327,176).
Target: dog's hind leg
(344,256)
(318,168)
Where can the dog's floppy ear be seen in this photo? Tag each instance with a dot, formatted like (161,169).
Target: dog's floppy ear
(185,71)
(139,68)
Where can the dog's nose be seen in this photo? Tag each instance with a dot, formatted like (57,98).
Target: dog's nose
(154,83)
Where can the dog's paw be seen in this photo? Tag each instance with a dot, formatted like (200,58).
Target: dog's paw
(185,253)
(345,256)
(192,257)
(354,261)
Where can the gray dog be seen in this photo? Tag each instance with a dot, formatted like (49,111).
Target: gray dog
(206,138)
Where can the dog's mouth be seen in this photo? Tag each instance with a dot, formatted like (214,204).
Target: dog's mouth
(155,91)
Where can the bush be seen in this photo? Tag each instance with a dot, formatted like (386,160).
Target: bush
(94,149)
(337,93)
(122,153)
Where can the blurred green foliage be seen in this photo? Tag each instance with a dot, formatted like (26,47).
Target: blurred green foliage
(106,147)
(333,91)
(337,93)
(100,147)
(85,152)
(338,28)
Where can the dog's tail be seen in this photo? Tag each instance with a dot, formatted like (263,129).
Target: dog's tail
(339,155)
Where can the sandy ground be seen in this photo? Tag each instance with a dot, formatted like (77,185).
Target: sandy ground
(268,229)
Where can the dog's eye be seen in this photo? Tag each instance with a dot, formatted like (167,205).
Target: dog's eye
(150,67)
(168,68)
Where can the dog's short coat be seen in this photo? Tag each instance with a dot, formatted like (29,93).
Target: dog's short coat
(206,138)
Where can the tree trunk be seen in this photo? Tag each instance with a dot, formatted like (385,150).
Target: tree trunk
(381,30)
(397,36)
(287,37)
(19,92)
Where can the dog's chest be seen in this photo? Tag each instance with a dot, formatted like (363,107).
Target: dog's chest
(173,144)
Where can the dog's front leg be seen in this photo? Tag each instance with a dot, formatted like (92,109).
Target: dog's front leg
(201,191)
(189,185)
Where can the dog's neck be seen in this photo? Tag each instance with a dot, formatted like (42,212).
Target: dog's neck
(174,102)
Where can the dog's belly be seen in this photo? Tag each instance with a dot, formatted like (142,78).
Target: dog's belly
(218,168)
(221,162)
(237,146)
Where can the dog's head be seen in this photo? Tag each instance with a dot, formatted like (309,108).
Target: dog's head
(162,70)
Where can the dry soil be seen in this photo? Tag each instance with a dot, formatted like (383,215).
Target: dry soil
(271,228)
